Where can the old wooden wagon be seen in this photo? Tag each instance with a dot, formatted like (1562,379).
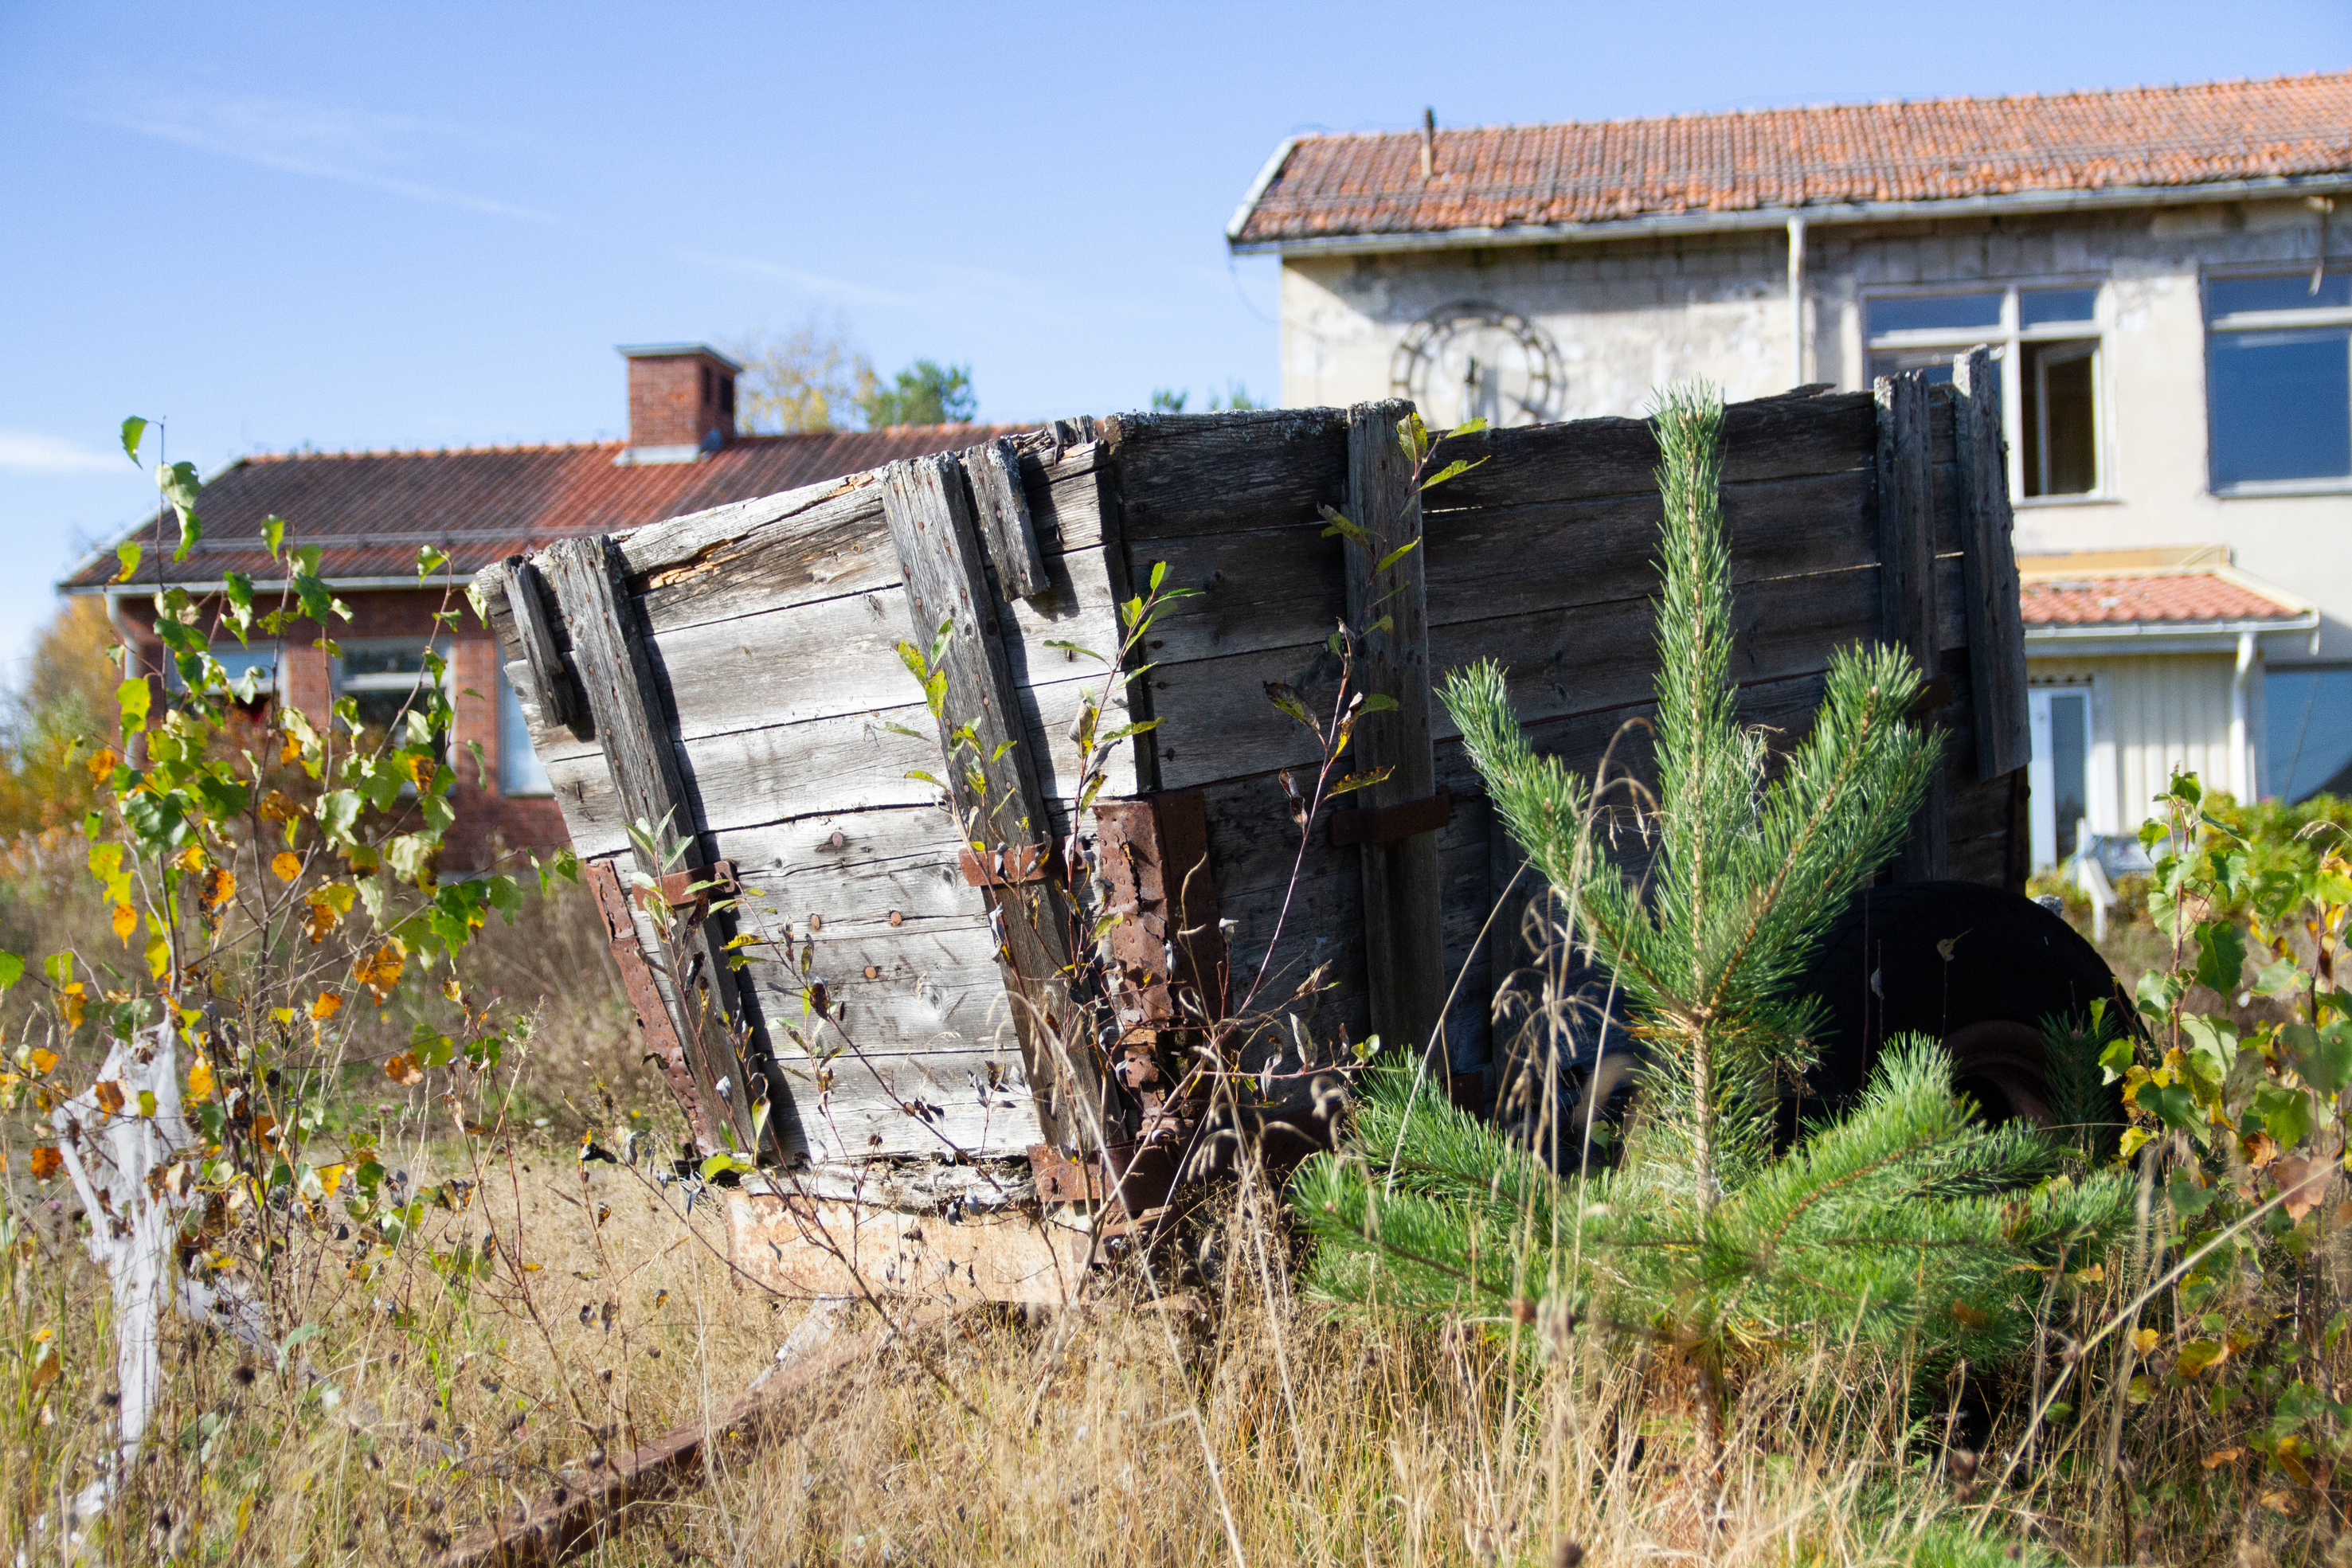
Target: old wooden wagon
(898,973)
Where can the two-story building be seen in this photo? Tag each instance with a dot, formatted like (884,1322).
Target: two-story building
(371,512)
(2165,275)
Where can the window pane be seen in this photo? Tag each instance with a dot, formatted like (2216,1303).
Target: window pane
(2282,404)
(2231,296)
(520,771)
(2070,756)
(2040,307)
(1934,313)
(393,661)
(1938,366)
(2061,427)
(2309,741)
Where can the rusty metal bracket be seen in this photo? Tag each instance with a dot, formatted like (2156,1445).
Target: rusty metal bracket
(654,1021)
(1169,940)
(1061,1179)
(680,893)
(1007,867)
(1391,824)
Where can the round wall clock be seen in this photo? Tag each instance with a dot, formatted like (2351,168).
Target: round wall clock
(1471,361)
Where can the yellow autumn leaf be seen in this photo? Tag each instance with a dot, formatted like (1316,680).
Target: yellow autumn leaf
(102,767)
(2200,1354)
(72,1001)
(329,1003)
(109,1095)
(219,887)
(287,864)
(200,1081)
(126,920)
(47,1162)
(190,859)
(380,970)
(159,951)
(44,1062)
(2146,1341)
(404,1069)
(2215,1460)
(330,1178)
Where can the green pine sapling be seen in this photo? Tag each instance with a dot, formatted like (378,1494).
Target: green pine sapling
(1901,1224)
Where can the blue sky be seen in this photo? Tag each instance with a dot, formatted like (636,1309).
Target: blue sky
(418,226)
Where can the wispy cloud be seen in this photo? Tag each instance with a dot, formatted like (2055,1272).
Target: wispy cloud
(374,151)
(814,282)
(29,452)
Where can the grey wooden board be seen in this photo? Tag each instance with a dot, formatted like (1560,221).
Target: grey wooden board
(1210,473)
(1215,720)
(1992,608)
(1268,587)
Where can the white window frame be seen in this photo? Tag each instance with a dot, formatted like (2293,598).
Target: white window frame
(2264,322)
(2041,770)
(390,680)
(2005,340)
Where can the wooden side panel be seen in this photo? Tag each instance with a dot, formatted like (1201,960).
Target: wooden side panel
(1994,613)
(1906,580)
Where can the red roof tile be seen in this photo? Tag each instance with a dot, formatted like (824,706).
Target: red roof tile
(373,510)
(2184,598)
(1603,171)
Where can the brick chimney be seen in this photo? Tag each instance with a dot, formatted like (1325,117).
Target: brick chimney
(681,401)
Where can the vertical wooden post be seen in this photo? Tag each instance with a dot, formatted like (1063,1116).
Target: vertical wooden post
(1996,618)
(1907,584)
(993,782)
(608,654)
(1404,949)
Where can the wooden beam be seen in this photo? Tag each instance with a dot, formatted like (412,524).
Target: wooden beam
(1403,934)
(991,779)
(556,690)
(1906,583)
(1996,618)
(616,678)
(995,471)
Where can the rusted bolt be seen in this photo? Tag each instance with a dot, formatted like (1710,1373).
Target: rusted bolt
(897,918)
(873,972)
(816,922)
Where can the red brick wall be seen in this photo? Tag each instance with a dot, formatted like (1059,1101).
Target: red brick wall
(675,399)
(488,821)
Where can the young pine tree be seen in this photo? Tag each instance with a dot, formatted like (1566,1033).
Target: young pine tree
(1902,1223)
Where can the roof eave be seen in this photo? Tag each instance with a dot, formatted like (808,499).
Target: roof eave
(2160,636)
(2012,203)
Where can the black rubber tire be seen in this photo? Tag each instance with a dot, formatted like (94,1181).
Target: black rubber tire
(2012,962)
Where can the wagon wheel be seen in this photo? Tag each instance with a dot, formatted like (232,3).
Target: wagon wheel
(1976,968)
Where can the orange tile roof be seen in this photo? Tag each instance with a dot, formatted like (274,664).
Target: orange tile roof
(1503,177)
(2184,598)
(371,511)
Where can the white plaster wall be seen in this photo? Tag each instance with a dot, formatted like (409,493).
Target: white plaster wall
(1630,316)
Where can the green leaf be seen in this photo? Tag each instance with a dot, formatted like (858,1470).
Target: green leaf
(12,969)
(1376,702)
(1467,427)
(338,815)
(129,552)
(134,697)
(273,533)
(180,485)
(2277,979)
(1280,694)
(134,430)
(1341,527)
(1068,647)
(2287,1114)
(2221,955)
(1158,574)
(1355,781)
(1453,470)
(1396,555)
(2322,1057)
(428,561)
(2117,1059)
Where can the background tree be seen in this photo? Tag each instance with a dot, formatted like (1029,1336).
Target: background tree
(925,392)
(52,719)
(813,377)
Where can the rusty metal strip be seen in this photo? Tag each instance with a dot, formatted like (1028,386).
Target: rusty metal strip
(1061,1179)
(1010,866)
(1391,824)
(654,1021)
(678,889)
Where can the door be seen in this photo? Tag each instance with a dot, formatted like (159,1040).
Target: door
(2059,776)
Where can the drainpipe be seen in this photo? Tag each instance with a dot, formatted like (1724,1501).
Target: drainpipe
(1795,302)
(2241,762)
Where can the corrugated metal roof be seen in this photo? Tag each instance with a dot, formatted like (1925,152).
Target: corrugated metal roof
(1610,171)
(371,511)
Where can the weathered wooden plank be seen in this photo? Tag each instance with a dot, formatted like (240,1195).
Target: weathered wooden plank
(989,770)
(551,685)
(1995,614)
(1772,438)
(1906,580)
(1403,937)
(993,471)
(1182,473)
(1216,722)
(634,733)
(1268,587)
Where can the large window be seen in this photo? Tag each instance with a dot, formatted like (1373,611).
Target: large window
(2058,776)
(2278,366)
(382,678)
(2307,721)
(521,772)
(2047,340)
